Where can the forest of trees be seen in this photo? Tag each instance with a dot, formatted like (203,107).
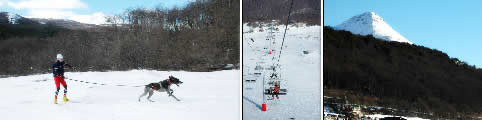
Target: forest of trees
(307,11)
(194,38)
(402,75)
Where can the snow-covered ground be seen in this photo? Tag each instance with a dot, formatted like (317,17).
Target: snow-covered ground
(378,116)
(204,96)
(301,72)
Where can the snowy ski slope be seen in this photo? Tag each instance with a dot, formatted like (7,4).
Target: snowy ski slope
(302,72)
(204,96)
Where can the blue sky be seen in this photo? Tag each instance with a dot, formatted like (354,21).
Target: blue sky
(86,11)
(451,26)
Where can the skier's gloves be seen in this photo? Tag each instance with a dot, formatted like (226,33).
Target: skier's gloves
(67,65)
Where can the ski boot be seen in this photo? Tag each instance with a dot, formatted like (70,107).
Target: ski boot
(55,100)
(65,99)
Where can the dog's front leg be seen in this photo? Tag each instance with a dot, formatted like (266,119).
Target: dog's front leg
(175,97)
(169,91)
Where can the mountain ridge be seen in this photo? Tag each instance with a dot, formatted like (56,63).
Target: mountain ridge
(14,19)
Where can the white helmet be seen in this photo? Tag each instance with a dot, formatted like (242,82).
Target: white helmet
(60,57)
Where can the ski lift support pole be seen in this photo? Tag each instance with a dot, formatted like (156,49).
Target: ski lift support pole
(263,107)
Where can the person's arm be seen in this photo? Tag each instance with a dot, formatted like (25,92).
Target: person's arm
(53,69)
(61,72)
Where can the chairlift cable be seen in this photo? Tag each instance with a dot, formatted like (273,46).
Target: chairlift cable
(286,28)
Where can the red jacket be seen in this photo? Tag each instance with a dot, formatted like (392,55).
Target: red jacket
(276,88)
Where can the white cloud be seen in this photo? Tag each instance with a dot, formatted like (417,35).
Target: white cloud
(95,18)
(47,4)
(56,9)
(2,2)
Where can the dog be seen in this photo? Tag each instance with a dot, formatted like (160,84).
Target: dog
(162,86)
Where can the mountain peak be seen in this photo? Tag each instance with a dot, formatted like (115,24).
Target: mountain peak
(371,23)
(368,14)
(372,15)
(10,18)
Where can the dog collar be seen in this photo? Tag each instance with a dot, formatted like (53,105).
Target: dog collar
(169,81)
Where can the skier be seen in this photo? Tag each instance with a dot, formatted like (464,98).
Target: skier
(58,71)
(275,91)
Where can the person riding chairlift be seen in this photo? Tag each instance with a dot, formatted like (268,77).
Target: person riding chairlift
(275,91)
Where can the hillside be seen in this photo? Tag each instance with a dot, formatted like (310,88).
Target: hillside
(307,11)
(198,37)
(402,75)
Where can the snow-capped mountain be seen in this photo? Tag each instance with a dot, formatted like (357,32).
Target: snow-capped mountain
(12,18)
(371,23)
(66,23)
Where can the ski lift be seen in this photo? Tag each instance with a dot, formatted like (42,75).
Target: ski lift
(270,68)
(274,75)
(250,80)
(270,90)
